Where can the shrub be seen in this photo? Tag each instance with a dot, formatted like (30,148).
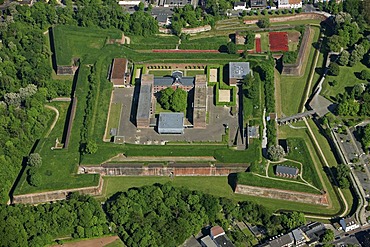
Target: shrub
(333,69)
(365,74)
(263,23)
(34,160)
(275,152)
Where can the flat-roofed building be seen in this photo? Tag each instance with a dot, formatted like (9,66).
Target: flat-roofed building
(258,3)
(238,71)
(171,123)
(144,107)
(119,76)
(287,171)
(200,102)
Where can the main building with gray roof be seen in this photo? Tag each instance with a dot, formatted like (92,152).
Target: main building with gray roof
(287,171)
(238,71)
(171,123)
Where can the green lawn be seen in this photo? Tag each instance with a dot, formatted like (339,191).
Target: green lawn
(194,72)
(251,179)
(293,87)
(78,42)
(345,79)
(59,166)
(207,43)
(115,113)
(153,42)
(286,132)
(160,72)
(217,186)
(265,42)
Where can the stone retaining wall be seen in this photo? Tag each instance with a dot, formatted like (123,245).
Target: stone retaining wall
(296,68)
(160,171)
(297,17)
(283,194)
(56,195)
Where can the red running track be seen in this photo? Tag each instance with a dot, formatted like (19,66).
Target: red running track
(258,45)
(278,41)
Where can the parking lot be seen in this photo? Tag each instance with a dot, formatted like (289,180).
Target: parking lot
(218,118)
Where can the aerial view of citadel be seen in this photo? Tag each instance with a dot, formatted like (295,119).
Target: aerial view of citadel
(211,123)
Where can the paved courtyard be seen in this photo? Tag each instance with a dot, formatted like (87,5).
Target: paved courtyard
(218,117)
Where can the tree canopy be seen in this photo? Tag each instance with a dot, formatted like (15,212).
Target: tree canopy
(175,100)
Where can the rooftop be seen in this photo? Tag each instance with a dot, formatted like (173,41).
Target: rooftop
(216,231)
(258,3)
(208,242)
(145,100)
(293,171)
(171,122)
(223,241)
(284,240)
(238,70)
(175,78)
(119,68)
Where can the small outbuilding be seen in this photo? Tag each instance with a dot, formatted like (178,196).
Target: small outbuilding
(287,171)
(238,71)
(171,123)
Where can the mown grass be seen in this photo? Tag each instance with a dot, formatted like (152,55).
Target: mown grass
(59,166)
(160,72)
(114,115)
(265,42)
(346,79)
(153,42)
(293,87)
(207,43)
(79,42)
(194,72)
(286,132)
(251,179)
(217,186)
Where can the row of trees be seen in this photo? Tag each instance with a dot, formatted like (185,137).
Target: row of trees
(79,216)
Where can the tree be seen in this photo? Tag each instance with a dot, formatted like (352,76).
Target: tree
(34,160)
(275,152)
(356,55)
(335,43)
(179,100)
(333,69)
(365,74)
(165,97)
(91,147)
(35,179)
(263,23)
(344,58)
(232,48)
(349,107)
(328,236)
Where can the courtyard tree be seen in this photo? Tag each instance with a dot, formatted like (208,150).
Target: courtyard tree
(179,100)
(333,69)
(165,97)
(263,23)
(275,152)
(231,48)
(344,58)
(34,160)
(365,74)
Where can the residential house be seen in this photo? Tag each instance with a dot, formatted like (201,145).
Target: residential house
(258,4)
(348,224)
(289,4)
(240,5)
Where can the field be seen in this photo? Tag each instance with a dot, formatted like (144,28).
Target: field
(293,87)
(114,115)
(204,43)
(153,42)
(76,42)
(346,79)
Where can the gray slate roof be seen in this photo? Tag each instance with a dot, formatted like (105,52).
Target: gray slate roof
(168,81)
(145,100)
(171,122)
(238,70)
(293,171)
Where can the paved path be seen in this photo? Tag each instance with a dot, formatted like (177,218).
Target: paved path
(55,119)
(327,165)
